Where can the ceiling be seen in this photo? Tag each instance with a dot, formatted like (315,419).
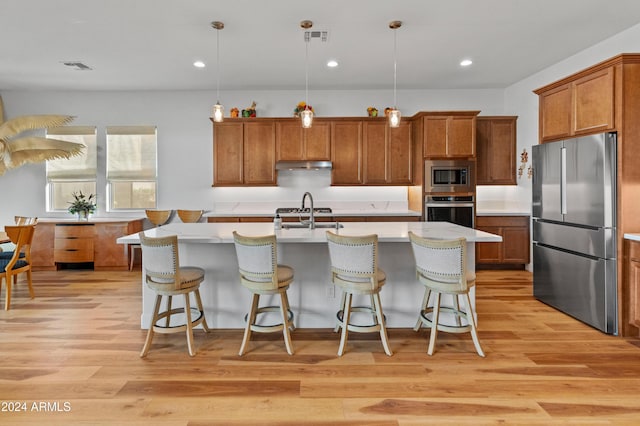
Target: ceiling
(152,44)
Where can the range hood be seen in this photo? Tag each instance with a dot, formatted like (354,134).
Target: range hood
(303,165)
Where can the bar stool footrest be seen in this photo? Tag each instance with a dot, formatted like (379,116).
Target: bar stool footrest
(463,328)
(271,327)
(197,316)
(367,328)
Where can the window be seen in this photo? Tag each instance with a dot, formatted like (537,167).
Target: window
(68,175)
(131,167)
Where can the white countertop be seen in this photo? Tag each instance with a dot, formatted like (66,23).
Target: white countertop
(633,237)
(209,233)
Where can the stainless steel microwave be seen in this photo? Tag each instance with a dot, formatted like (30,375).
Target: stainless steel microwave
(449,176)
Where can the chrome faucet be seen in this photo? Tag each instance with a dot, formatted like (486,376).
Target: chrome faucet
(311,220)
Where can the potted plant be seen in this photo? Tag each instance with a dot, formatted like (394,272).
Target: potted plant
(82,205)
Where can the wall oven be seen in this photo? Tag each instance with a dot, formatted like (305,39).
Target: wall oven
(450,176)
(451,208)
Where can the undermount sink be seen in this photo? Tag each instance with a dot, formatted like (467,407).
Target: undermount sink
(300,225)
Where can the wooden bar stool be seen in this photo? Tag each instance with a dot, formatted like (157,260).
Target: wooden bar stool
(441,266)
(190,216)
(164,275)
(354,268)
(157,218)
(261,274)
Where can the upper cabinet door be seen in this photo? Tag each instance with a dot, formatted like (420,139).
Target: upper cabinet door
(346,152)
(375,151)
(289,145)
(496,150)
(400,155)
(259,153)
(228,153)
(555,113)
(461,140)
(435,136)
(593,105)
(317,141)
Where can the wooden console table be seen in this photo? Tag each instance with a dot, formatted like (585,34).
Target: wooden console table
(66,241)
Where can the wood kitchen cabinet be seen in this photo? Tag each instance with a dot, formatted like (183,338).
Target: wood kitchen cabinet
(346,152)
(496,150)
(244,153)
(388,155)
(514,248)
(449,134)
(585,105)
(58,242)
(632,280)
(294,143)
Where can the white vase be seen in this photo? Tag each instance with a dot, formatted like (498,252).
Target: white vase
(83,215)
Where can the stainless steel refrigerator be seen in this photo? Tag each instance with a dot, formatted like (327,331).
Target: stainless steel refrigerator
(574,228)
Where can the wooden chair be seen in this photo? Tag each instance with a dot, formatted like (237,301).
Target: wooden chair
(354,268)
(261,274)
(441,266)
(20,261)
(157,218)
(164,275)
(7,251)
(190,216)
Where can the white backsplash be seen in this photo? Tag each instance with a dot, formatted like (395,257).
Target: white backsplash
(293,184)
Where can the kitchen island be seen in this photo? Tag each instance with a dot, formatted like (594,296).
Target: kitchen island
(314,300)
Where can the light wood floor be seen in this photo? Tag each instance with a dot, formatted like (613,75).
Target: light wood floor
(70,356)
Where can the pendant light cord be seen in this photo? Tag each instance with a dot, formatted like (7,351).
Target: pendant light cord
(306,73)
(395,65)
(218,65)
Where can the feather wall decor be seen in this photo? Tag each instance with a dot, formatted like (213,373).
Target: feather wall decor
(16,151)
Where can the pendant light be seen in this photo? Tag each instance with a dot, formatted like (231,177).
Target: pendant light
(306,115)
(394,114)
(218,110)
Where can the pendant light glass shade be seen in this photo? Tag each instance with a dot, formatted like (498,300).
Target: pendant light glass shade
(218,110)
(307,118)
(394,118)
(394,115)
(218,113)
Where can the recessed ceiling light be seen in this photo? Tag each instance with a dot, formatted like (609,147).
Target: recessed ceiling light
(332,63)
(199,64)
(466,62)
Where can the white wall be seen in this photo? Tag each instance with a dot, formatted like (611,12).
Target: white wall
(185,152)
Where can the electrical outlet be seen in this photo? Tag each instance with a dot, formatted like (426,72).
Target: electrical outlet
(331,292)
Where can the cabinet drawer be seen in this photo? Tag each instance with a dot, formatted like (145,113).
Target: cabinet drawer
(75,231)
(73,250)
(502,221)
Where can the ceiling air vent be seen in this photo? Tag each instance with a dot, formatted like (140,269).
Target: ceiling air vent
(78,66)
(320,35)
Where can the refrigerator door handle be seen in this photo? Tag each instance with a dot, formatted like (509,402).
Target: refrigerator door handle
(563,180)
